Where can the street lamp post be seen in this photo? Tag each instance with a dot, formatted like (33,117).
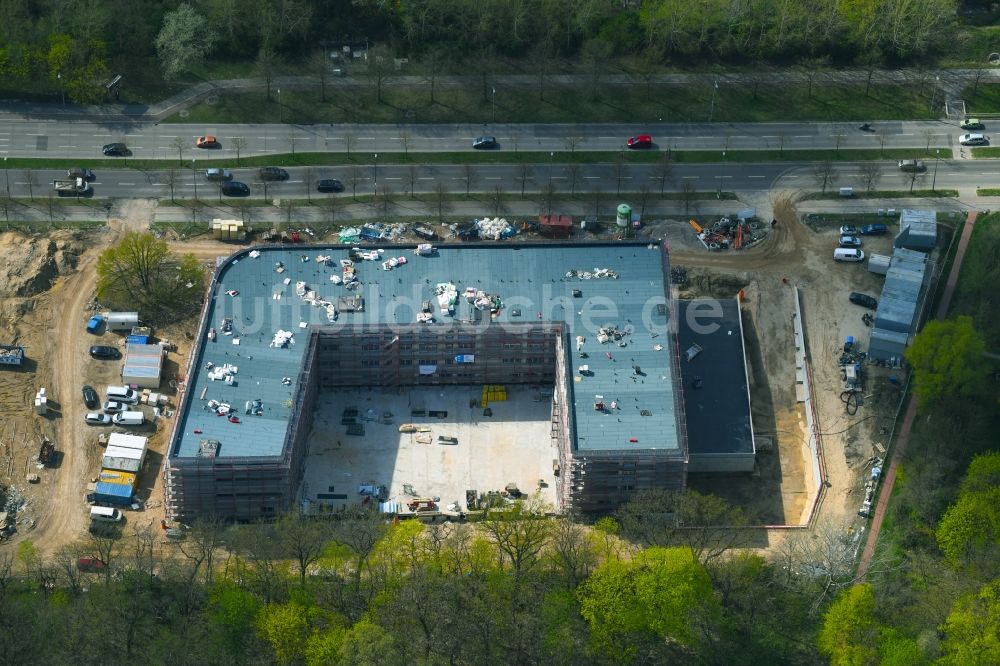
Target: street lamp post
(375,181)
(62,91)
(552,159)
(281,111)
(937,159)
(711,111)
(494,105)
(194,178)
(7,174)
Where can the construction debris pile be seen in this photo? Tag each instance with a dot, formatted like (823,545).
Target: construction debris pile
(372,233)
(851,374)
(607,334)
(870,485)
(737,233)
(483,301)
(596,274)
(447,295)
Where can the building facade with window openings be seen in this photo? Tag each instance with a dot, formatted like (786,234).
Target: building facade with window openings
(589,322)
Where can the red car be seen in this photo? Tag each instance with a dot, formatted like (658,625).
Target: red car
(640,141)
(90,565)
(207,141)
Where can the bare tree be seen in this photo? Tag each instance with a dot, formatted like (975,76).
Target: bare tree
(929,135)
(519,532)
(664,171)
(386,198)
(549,196)
(262,181)
(267,62)
(240,144)
(838,139)
(354,176)
(470,174)
(440,198)
(201,545)
(643,198)
(170,179)
(436,59)
(360,529)
(620,169)
(781,143)
(871,172)
(142,560)
(523,171)
(412,174)
(597,197)
(572,142)
(883,138)
(572,552)
(319,63)
(824,172)
(289,206)
(332,204)
(379,68)
(179,143)
(308,176)
(291,140)
(349,140)
(915,177)
(6,203)
(498,199)
(688,195)
(573,169)
(104,545)
(302,539)
(404,138)
(31,180)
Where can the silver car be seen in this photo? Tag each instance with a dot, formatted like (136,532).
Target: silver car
(96,418)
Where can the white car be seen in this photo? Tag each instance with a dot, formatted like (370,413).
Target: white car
(96,418)
(113,407)
(973,140)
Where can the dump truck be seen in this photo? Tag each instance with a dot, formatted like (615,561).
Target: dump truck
(72,186)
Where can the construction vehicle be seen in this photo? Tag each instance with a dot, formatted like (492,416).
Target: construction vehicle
(71,187)
(422,505)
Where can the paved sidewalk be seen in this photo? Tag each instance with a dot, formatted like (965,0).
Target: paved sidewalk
(911,409)
(952,81)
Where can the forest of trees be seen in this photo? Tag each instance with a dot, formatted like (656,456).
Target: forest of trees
(72,46)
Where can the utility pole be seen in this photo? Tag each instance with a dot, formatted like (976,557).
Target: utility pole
(494,105)
(281,111)
(194,178)
(711,111)
(937,159)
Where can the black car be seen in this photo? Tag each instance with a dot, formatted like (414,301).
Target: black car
(330,185)
(484,142)
(105,352)
(235,188)
(863,300)
(90,396)
(115,150)
(272,173)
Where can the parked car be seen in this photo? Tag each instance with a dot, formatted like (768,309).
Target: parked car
(90,565)
(330,185)
(848,240)
(235,188)
(94,324)
(848,254)
(912,166)
(484,142)
(974,140)
(863,300)
(113,407)
(272,173)
(972,124)
(115,150)
(848,229)
(874,229)
(207,141)
(105,352)
(90,397)
(96,418)
(218,174)
(80,172)
(640,141)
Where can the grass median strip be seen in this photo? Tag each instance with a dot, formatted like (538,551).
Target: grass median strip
(988,191)
(477,158)
(887,194)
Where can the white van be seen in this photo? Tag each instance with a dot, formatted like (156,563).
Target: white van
(104,514)
(123,394)
(848,254)
(129,418)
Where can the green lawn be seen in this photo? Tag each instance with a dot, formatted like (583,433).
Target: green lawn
(572,103)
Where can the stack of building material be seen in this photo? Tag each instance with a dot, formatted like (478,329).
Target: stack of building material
(228,229)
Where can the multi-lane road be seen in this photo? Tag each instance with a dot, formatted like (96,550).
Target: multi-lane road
(119,183)
(83,139)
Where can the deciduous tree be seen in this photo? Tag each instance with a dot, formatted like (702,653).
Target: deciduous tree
(947,359)
(183,41)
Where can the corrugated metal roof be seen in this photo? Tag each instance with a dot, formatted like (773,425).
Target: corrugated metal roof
(113,490)
(122,452)
(529,278)
(918,229)
(121,464)
(116,477)
(127,441)
(896,316)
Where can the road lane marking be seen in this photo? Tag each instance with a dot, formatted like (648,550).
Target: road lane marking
(130,184)
(690,177)
(753,176)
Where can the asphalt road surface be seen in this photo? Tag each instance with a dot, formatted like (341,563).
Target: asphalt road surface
(734,177)
(83,139)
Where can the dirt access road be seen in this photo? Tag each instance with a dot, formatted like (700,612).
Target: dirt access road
(64,517)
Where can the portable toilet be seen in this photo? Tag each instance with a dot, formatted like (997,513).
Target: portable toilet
(624,215)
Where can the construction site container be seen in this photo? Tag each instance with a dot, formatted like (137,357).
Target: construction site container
(122,321)
(556,226)
(879,263)
(143,365)
(11,355)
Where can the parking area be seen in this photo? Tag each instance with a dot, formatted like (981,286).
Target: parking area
(511,446)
